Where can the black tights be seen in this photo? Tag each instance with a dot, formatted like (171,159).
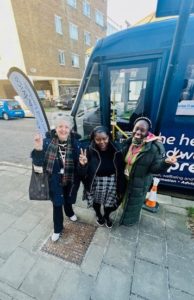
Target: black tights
(107,210)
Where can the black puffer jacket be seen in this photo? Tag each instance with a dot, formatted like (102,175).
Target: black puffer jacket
(151,160)
(88,172)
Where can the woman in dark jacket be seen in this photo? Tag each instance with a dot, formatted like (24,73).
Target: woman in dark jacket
(59,156)
(144,155)
(103,170)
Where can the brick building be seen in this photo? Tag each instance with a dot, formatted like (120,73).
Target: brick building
(48,40)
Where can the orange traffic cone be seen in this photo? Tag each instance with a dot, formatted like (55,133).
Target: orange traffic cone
(150,203)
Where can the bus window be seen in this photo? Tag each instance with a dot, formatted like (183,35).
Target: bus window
(128,86)
(186,102)
(88,115)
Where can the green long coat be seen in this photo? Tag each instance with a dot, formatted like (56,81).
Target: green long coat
(151,160)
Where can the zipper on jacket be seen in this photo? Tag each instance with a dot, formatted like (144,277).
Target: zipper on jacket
(96,169)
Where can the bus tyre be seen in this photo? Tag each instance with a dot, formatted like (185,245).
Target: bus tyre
(5,116)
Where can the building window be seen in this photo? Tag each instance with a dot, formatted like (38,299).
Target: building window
(186,99)
(99,18)
(58,24)
(72,3)
(73,31)
(75,60)
(86,8)
(61,56)
(87,38)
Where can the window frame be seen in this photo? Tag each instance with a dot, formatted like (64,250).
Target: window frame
(72,56)
(72,3)
(85,9)
(58,25)
(72,26)
(98,14)
(87,34)
(60,54)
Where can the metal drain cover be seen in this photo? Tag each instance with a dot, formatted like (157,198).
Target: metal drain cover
(73,243)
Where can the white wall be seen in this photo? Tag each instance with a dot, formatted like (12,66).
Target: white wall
(10,50)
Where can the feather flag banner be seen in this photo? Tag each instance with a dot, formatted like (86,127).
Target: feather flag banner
(27,92)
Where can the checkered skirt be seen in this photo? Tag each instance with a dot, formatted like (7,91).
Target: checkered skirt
(103,191)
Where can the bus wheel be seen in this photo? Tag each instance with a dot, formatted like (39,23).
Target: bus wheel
(5,116)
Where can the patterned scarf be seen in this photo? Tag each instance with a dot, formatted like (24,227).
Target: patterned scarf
(68,164)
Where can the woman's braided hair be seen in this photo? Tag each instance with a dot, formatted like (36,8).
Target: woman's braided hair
(147,120)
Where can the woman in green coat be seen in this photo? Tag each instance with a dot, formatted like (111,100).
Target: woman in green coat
(144,155)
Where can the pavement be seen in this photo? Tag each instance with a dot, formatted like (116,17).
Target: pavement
(153,260)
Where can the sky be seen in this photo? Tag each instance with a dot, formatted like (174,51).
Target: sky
(130,10)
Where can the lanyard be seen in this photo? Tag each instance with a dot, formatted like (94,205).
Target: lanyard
(62,154)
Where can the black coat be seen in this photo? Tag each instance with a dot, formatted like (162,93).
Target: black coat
(88,172)
(151,160)
(55,179)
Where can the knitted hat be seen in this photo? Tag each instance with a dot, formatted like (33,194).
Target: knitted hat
(147,120)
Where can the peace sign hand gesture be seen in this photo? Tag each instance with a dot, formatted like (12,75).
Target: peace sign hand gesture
(172,159)
(82,157)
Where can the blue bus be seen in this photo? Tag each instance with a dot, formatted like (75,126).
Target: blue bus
(124,79)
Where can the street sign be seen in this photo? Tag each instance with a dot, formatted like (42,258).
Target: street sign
(167,8)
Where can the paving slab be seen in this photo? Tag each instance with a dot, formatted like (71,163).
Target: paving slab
(2,261)
(152,249)
(3,296)
(182,203)
(38,235)
(73,285)
(27,222)
(6,220)
(111,284)
(150,281)
(180,244)
(16,267)
(120,254)
(10,240)
(176,210)
(180,295)
(151,225)
(177,267)
(13,293)
(18,208)
(160,214)
(92,260)
(41,281)
(136,297)
(176,222)
(124,232)
(11,196)
(101,237)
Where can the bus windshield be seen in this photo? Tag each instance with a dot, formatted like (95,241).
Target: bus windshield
(88,115)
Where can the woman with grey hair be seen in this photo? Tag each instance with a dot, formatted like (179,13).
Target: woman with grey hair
(58,154)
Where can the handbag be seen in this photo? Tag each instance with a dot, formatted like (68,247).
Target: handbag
(39,187)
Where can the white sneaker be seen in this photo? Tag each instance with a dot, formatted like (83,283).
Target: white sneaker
(73,218)
(55,237)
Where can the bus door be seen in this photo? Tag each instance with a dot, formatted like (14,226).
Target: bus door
(130,88)
(115,94)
